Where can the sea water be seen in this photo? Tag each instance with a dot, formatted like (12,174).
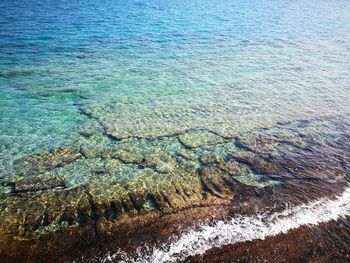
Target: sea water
(78,73)
(149,68)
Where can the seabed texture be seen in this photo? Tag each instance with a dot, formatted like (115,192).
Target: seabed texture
(129,129)
(171,183)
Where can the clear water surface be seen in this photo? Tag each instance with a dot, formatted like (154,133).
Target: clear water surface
(151,68)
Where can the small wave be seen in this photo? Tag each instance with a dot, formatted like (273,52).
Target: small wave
(240,229)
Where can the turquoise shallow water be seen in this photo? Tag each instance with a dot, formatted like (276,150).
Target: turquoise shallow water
(117,114)
(154,68)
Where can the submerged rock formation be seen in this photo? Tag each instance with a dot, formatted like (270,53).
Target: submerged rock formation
(42,162)
(87,198)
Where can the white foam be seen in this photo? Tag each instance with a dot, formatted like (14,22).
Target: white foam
(242,229)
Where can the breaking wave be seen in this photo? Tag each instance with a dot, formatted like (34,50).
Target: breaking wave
(240,229)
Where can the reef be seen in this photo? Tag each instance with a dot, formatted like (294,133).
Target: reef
(94,195)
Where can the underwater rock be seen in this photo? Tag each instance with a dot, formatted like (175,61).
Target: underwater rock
(233,167)
(5,189)
(39,163)
(211,181)
(255,180)
(211,157)
(33,214)
(198,138)
(187,154)
(129,153)
(162,162)
(39,183)
(272,142)
(138,183)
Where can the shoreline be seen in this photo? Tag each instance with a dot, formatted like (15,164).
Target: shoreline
(130,233)
(305,244)
(44,218)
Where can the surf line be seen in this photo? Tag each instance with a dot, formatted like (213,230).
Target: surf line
(240,229)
